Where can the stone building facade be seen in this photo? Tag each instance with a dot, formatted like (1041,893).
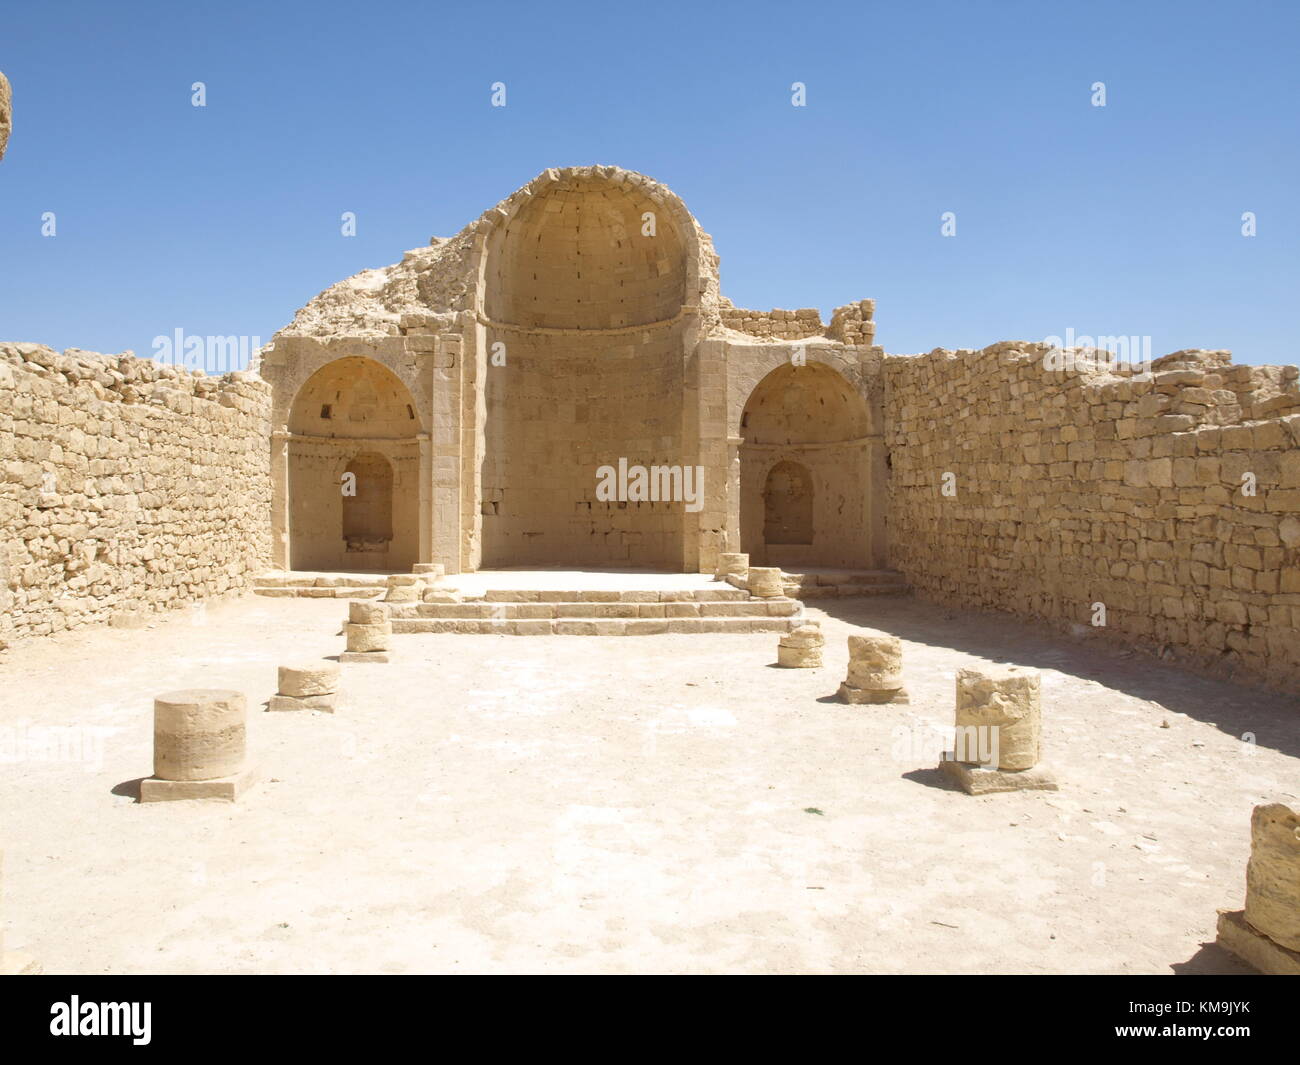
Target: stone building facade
(487,379)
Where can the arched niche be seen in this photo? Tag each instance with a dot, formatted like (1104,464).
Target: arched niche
(586,300)
(805,470)
(353,461)
(788,504)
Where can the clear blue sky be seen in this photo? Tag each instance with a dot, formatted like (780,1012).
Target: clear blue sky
(224,220)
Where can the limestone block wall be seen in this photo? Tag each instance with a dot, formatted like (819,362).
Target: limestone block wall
(854,323)
(127,487)
(565,405)
(774,324)
(1073,488)
(851,324)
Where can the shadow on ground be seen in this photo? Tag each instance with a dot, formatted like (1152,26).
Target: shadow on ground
(1235,709)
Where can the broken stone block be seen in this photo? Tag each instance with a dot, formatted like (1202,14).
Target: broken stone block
(310,686)
(997,735)
(1273,874)
(431,576)
(731,564)
(875,669)
(402,588)
(801,648)
(765,582)
(367,612)
(1236,936)
(1266,934)
(199,746)
(998,710)
(312,678)
(363,638)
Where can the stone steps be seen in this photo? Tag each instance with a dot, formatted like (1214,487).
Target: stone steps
(512,611)
(718,608)
(313,586)
(595,626)
(717,593)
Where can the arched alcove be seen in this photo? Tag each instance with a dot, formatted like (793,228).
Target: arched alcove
(804,470)
(368,503)
(583,288)
(354,397)
(788,504)
(353,457)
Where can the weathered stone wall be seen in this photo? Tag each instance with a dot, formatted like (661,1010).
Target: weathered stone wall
(774,324)
(127,487)
(1079,487)
(851,324)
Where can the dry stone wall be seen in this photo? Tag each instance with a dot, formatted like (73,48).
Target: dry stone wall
(775,324)
(851,324)
(127,487)
(1166,503)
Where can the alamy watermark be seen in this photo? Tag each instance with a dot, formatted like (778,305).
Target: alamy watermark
(211,354)
(1085,353)
(653,484)
(84,744)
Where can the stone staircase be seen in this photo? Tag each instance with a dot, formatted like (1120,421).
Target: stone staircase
(320,585)
(593,612)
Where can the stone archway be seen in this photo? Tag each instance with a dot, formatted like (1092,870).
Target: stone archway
(353,461)
(804,470)
(584,286)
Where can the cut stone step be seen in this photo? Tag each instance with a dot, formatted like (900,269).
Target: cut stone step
(596,611)
(312,592)
(594,627)
(597,595)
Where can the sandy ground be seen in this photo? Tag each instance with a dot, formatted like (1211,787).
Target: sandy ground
(625,804)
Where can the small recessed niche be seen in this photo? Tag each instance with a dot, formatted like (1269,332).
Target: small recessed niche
(325,410)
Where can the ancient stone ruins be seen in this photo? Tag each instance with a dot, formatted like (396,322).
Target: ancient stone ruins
(562,385)
(562,382)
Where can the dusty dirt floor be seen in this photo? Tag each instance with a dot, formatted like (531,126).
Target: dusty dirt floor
(625,804)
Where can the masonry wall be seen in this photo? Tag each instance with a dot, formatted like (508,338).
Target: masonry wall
(851,324)
(564,406)
(775,324)
(1081,487)
(127,487)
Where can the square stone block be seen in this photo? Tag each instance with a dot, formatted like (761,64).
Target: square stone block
(976,780)
(364,656)
(326,703)
(1254,948)
(860,696)
(227,789)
